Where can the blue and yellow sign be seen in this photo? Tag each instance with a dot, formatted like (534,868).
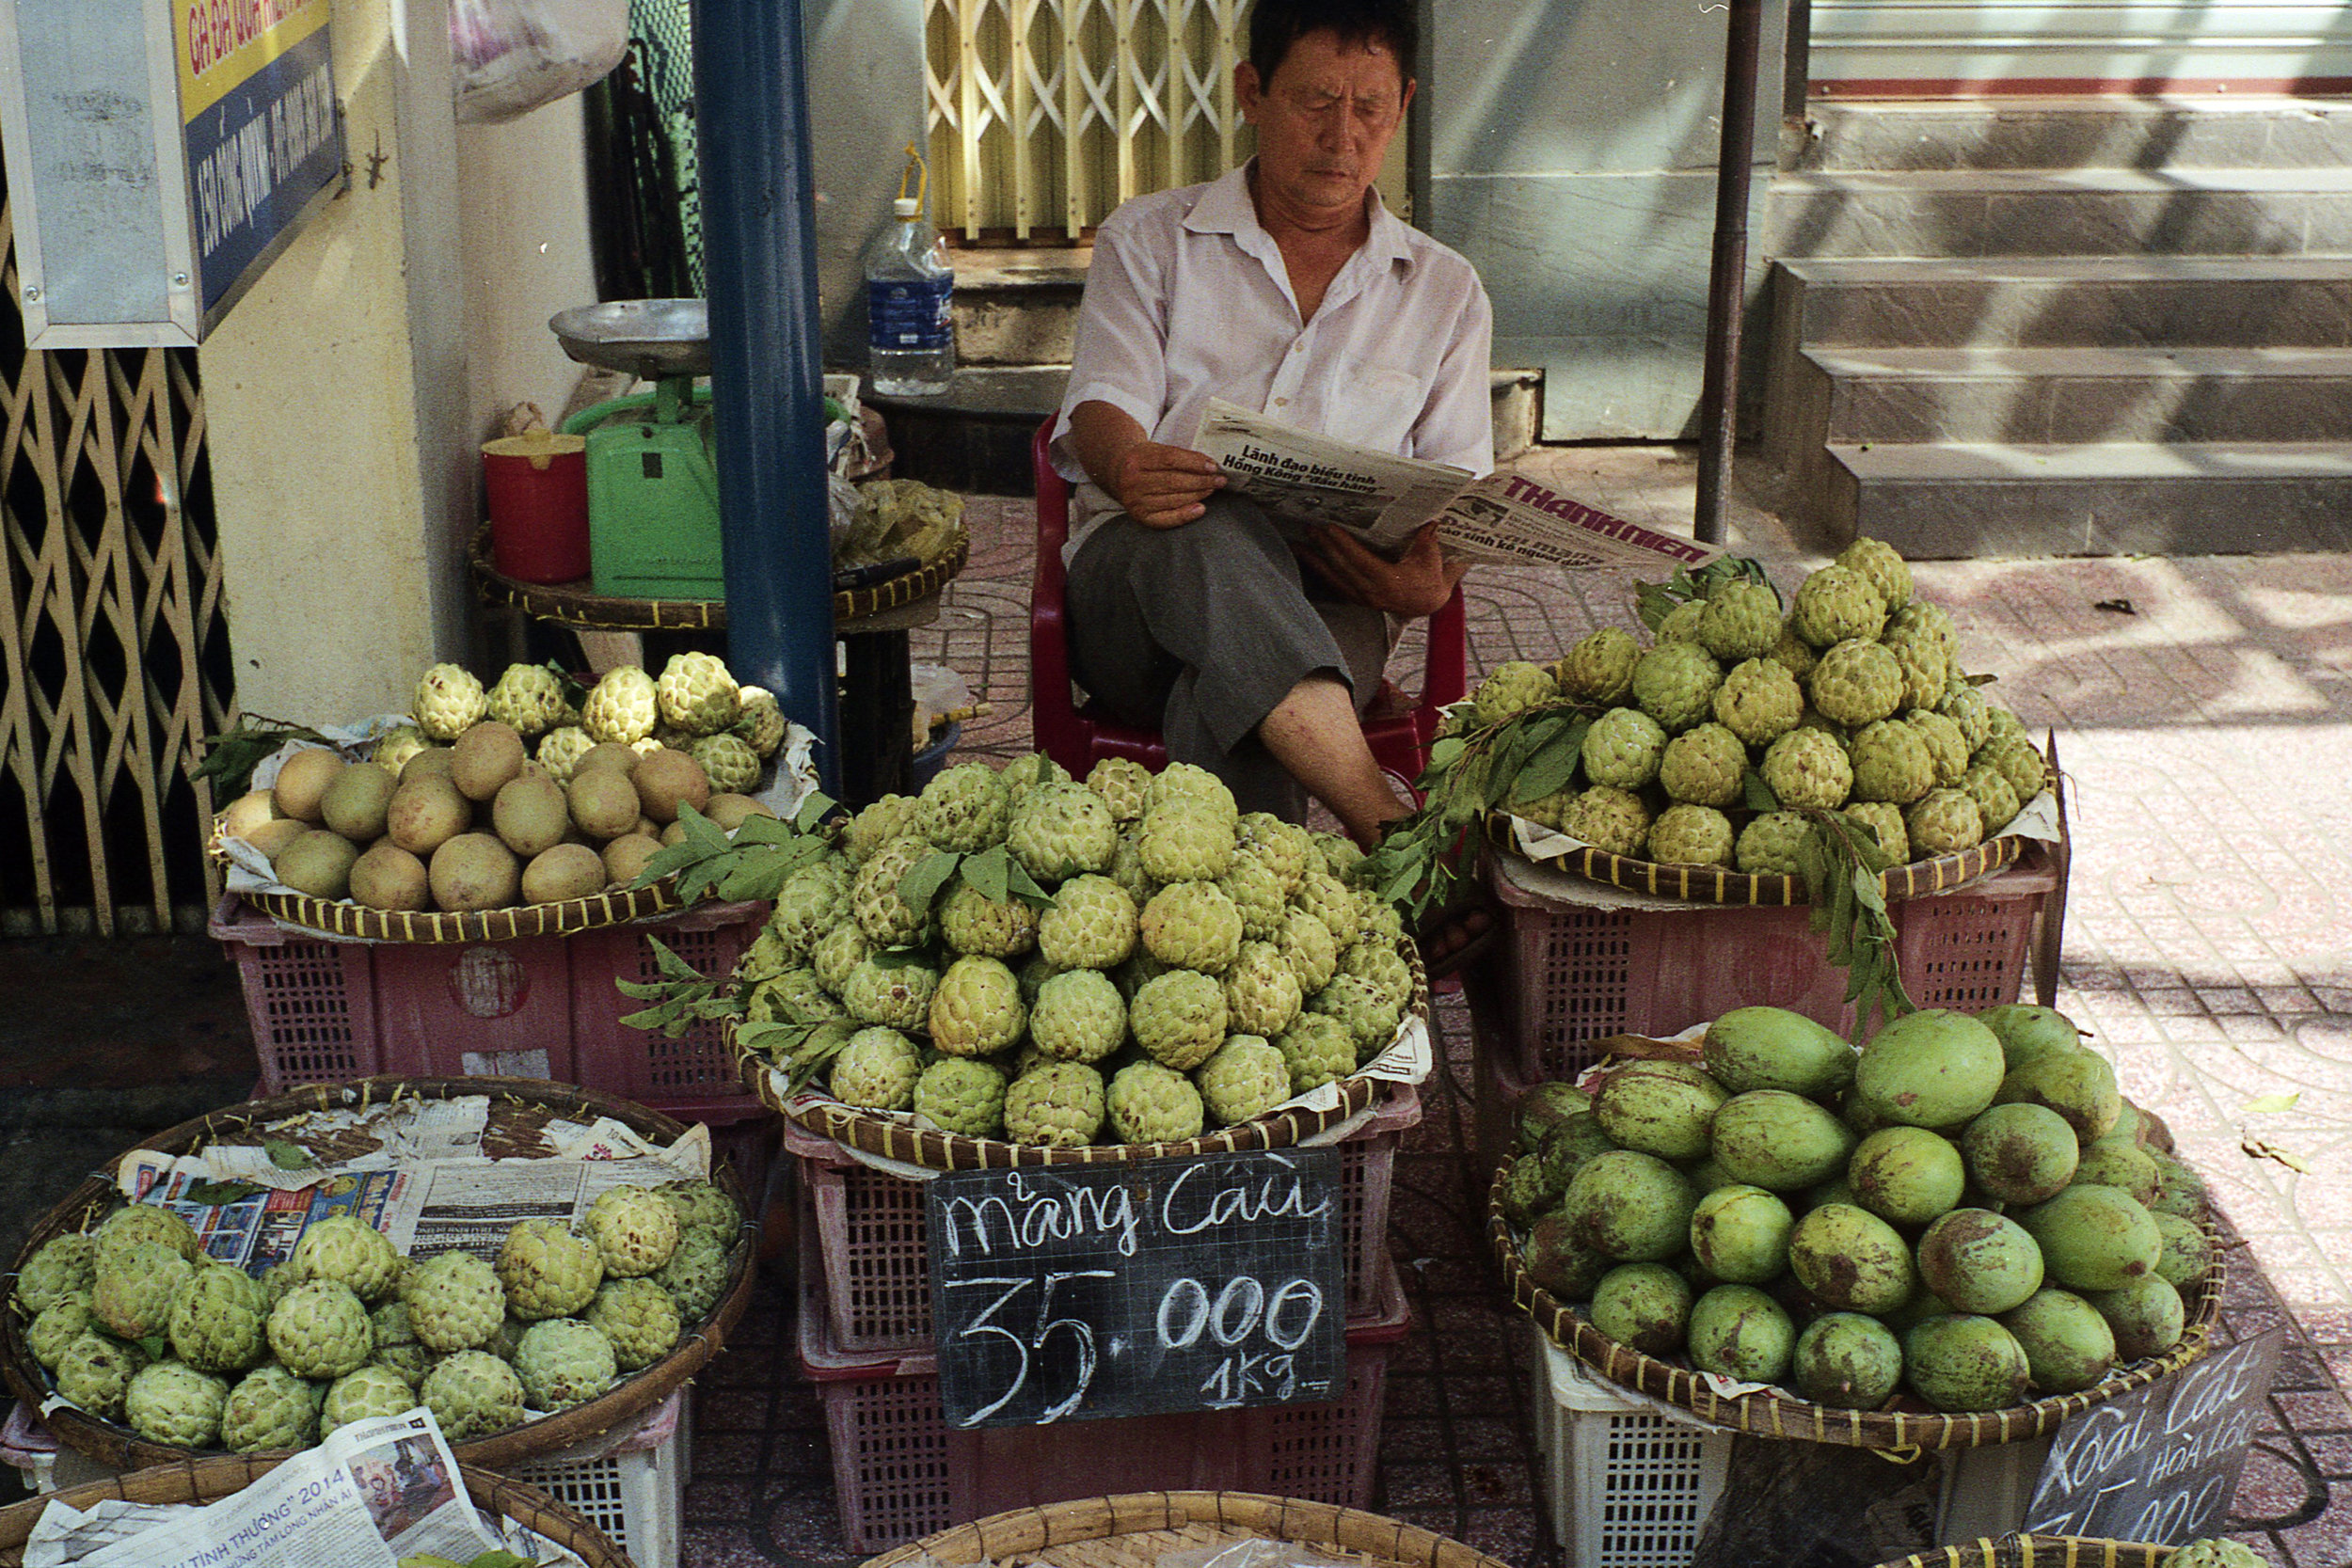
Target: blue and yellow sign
(256,106)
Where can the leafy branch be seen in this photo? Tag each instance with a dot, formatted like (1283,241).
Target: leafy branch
(754,863)
(232,755)
(1654,601)
(1842,863)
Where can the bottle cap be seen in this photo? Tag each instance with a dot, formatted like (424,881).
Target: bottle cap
(905,207)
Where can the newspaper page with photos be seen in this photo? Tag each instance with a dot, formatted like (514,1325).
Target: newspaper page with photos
(1303,478)
(375,1493)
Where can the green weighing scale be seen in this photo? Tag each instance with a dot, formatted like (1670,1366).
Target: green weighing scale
(653,479)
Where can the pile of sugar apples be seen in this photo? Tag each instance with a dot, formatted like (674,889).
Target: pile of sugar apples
(1852,698)
(510,796)
(1171,964)
(1964,1208)
(136,1327)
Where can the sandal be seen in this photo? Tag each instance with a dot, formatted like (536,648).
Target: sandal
(1455,937)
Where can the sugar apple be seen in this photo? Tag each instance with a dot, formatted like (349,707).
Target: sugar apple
(1704,765)
(547,1271)
(885,917)
(1999,721)
(1126,868)
(1079,1017)
(1945,744)
(1919,618)
(758,720)
(455,1303)
(135,1287)
(1548,810)
(369,1391)
(1772,842)
(1836,603)
(449,702)
(1282,848)
(1244,1080)
(349,1249)
(1688,834)
(1093,924)
(876,1071)
(1759,702)
(216,1322)
(1856,683)
(1741,621)
(472,1394)
(892,817)
(1791,652)
(396,1343)
(1995,800)
(1887,822)
(1926,668)
(321,1329)
(1514,687)
(973,924)
(1623,748)
(965,807)
(1600,668)
(727,760)
(1806,768)
(1606,819)
(813,900)
(1317,1048)
(563,1362)
(1878,560)
(696,1274)
(837,954)
(529,698)
(1964,705)
(173,1403)
(270,1410)
(1369,1017)
(397,747)
(696,694)
(1150,1103)
(977,1010)
(1891,763)
(1333,902)
(793,997)
(1055,1105)
(144,1222)
(1179,1018)
(1341,854)
(1033,976)
(2014,758)
(1121,783)
(1186,840)
(1192,925)
(1308,946)
(2212,1551)
(638,1319)
(1025,773)
(1188,781)
(58,1325)
(1378,964)
(561,748)
(962,1094)
(1682,623)
(1261,991)
(63,1265)
(1674,684)
(95,1371)
(634,1229)
(1257,895)
(623,707)
(1943,822)
(702,1203)
(1061,830)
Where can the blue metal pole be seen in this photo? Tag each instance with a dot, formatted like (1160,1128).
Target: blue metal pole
(759,247)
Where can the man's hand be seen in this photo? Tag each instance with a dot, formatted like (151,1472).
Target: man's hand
(1163,486)
(1417,584)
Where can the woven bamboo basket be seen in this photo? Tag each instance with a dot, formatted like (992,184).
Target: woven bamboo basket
(1781,1415)
(343,918)
(894,1138)
(206,1481)
(2041,1551)
(1134,1530)
(518,1108)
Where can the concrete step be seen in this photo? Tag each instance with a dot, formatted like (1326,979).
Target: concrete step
(1943,501)
(2073,133)
(1017,308)
(2064,211)
(2222,302)
(1847,396)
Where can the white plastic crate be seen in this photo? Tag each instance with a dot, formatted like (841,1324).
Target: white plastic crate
(1629,1486)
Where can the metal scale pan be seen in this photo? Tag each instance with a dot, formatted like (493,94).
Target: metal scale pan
(650,339)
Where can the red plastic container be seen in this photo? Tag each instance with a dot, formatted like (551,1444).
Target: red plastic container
(876,1254)
(899,1474)
(538,493)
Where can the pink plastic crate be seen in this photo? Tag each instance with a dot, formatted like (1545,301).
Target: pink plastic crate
(900,1473)
(542,1007)
(1572,974)
(877,1254)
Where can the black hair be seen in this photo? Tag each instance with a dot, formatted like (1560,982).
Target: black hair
(1276,24)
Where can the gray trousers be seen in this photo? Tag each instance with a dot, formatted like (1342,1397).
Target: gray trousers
(1200,630)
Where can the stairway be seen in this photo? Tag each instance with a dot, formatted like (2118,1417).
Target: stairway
(2064,326)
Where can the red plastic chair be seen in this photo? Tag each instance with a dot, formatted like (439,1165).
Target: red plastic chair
(1397,728)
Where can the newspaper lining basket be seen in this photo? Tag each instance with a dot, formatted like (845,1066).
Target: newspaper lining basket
(1135,1529)
(894,1139)
(1781,1415)
(518,1106)
(2041,1551)
(205,1481)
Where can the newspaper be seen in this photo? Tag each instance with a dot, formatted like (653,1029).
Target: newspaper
(1302,479)
(378,1492)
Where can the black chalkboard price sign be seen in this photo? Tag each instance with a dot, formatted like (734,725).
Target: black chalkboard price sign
(1074,1292)
(2162,1462)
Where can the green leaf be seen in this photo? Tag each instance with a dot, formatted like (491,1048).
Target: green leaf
(753,880)
(765,830)
(1757,793)
(2270,1104)
(923,879)
(158,1348)
(503,1559)
(1444,752)
(670,963)
(641,991)
(286,1156)
(1025,887)
(219,1195)
(653,1018)
(701,831)
(989,872)
(812,810)
(1549,770)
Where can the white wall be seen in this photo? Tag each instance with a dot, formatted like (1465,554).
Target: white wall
(523,221)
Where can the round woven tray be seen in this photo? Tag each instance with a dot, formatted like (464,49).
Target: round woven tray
(1135,1529)
(206,1481)
(893,1138)
(1784,1416)
(1710,884)
(342,917)
(2041,1551)
(518,1108)
(577,604)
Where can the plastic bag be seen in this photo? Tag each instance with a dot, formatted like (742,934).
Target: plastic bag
(1254,1553)
(512,55)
